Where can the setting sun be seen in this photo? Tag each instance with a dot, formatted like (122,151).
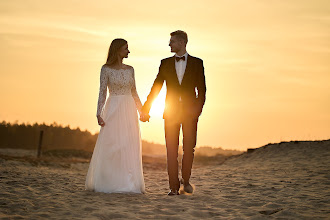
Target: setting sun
(266,64)
(158,105)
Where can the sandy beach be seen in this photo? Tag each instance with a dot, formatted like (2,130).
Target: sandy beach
(278,181)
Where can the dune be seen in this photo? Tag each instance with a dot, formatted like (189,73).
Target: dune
(278,181)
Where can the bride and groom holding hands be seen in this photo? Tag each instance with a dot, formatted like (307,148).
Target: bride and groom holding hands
(116,163)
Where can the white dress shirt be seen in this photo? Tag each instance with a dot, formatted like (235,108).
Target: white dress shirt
(180,67)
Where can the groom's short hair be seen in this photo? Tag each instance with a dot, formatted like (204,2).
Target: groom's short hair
(181,34)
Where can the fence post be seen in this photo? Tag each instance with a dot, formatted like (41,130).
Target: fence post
(40,142)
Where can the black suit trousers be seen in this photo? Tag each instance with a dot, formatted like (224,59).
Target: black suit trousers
(172,133)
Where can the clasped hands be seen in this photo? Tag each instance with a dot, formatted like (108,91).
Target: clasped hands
(144,117)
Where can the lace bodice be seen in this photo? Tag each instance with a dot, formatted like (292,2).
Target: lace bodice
(119,82)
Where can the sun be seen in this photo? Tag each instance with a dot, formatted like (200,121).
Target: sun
(158,105)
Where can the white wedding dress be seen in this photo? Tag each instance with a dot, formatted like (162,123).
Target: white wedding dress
(116,163)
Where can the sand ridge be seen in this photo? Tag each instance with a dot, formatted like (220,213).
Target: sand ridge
(280,181)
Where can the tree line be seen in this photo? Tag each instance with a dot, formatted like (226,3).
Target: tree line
(55,136)
(58,137)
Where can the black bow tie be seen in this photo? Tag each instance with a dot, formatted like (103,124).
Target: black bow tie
(180,58)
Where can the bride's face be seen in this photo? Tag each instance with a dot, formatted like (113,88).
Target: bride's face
(123,51)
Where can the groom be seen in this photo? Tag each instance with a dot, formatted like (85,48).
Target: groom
(185,82)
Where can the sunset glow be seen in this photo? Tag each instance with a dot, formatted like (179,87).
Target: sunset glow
(266,64)
(158,105)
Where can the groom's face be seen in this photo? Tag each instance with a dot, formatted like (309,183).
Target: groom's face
(176,44)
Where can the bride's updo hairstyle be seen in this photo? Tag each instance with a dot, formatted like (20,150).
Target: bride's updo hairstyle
(115,45)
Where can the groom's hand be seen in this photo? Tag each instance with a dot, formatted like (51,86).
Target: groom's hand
(144,117)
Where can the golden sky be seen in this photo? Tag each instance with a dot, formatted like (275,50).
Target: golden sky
(266,63)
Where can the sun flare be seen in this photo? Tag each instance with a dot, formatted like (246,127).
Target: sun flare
(158,105)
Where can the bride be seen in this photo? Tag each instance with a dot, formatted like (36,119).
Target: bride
(116,163)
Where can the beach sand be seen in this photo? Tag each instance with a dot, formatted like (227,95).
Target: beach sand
(278,181)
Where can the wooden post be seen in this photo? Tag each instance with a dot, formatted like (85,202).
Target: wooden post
(40,142)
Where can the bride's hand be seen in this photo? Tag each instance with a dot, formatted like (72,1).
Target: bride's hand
(100,121)
(144,117)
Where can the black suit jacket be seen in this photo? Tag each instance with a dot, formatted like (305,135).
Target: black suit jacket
(193,81)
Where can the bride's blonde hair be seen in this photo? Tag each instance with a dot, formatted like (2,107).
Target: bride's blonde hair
(115,45)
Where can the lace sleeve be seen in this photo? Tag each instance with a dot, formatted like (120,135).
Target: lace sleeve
(102,92)
(135,94)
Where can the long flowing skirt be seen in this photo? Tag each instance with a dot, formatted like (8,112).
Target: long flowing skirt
(116,163)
